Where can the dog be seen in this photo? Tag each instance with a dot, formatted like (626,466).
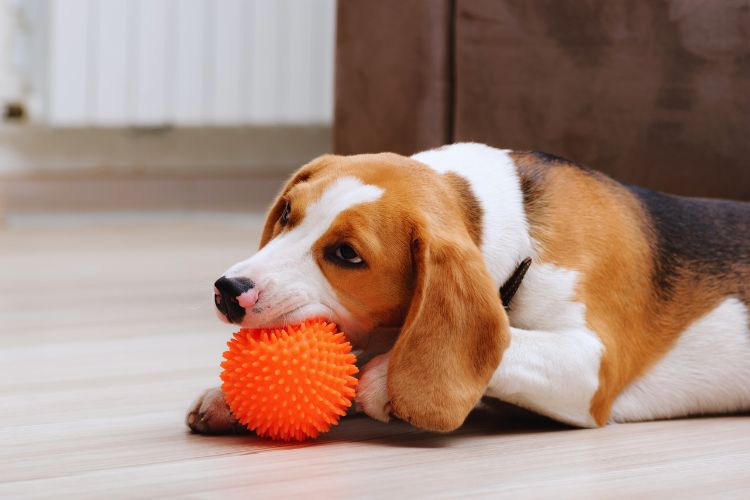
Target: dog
(634,307)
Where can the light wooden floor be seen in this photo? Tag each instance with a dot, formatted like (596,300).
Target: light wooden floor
(107,333)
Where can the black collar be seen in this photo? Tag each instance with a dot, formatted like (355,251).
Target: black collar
(510,287)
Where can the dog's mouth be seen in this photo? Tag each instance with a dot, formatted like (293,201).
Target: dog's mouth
(292,316)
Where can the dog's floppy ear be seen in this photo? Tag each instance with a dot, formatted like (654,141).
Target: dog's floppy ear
(453,336)
(301,175)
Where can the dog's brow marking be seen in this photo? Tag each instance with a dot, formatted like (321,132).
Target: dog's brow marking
(341,195)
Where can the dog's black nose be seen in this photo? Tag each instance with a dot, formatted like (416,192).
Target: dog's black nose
(226,292)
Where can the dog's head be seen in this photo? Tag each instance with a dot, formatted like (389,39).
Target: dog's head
(377,241)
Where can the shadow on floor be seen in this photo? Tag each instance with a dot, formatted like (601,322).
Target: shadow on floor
(493,418)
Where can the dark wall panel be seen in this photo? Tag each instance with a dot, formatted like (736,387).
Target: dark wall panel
(651,92)
(393,85)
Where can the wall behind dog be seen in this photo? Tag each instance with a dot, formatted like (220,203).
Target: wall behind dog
(191,62)
(84,73)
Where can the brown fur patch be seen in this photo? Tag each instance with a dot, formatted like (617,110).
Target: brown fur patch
(589,223)
(470,207)
(378,294)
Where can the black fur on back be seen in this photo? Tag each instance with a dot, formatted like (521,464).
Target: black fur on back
(700,238)
(549,158)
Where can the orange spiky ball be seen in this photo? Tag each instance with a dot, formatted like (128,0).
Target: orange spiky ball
(289,383)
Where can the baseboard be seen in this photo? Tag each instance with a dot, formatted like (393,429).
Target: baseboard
(29,152)
(250,194)
(122,170)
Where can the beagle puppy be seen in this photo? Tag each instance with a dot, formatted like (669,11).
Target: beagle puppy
(635,306)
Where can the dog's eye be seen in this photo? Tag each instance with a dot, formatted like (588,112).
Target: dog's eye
(284,219)
(347,254)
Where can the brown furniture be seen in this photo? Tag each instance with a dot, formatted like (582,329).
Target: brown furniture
(652,92)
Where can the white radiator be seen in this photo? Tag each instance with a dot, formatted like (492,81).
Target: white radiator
(188,62)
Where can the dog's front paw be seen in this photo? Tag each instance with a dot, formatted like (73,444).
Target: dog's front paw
(372,390)
(209,414)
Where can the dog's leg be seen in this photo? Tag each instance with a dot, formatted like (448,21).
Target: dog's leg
(552,373)
(372,390)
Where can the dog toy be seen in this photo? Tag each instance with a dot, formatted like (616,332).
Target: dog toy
(289,383)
